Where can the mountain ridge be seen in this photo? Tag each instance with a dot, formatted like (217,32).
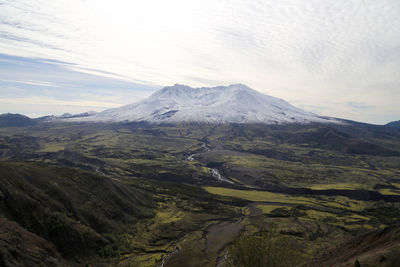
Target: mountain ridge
(394,124)
(15,120)
(50,118)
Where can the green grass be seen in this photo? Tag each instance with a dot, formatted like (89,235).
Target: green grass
(338,203)
(268,208)
(349,186)
(389,191)
(259,196)
(311,175)
(53,147)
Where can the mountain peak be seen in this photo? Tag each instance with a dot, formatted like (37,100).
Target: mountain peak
(235,103)
(176,86)
(240,86)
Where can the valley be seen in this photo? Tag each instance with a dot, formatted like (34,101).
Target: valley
(193,189)
(199,133)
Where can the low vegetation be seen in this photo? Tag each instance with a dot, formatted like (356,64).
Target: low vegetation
(265,248)
(148,195)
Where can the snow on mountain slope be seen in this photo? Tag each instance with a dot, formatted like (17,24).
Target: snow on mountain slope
(236,103)
(66,116)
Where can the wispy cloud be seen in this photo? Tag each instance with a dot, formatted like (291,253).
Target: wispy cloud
(60,88)
(32,82)
(47,101)
(358,105)
(310,52)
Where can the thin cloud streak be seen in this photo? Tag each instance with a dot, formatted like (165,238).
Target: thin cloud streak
(32,82)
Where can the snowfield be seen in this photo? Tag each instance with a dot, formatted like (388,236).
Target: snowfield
(235,103)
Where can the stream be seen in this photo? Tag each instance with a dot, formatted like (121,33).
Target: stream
(169,255)
(214,172)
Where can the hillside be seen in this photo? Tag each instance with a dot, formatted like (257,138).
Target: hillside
(74,211)
(19,247)
(54,216)
(15,120)
(374,248)
(394,124)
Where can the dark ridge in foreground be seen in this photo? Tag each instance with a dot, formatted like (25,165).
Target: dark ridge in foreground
(58,209)
(19,247)
(376,248)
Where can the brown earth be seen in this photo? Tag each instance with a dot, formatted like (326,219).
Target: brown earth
(376,248)
(19,247)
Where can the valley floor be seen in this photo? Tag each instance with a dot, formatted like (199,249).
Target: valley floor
(183,195)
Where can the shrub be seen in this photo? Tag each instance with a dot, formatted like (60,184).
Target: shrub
(264,249)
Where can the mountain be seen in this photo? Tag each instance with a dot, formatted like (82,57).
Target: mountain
(235,103)
(15,120)
(394,124)
(66,116)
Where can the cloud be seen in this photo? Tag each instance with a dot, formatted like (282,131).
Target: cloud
(61,88)
(358,105)
(32,82)
(46,101)
(40,106)
(309,52)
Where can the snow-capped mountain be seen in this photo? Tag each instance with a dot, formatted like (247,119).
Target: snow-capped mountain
(235,103)
(66,116)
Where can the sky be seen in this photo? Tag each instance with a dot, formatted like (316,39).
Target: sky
(338,58)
